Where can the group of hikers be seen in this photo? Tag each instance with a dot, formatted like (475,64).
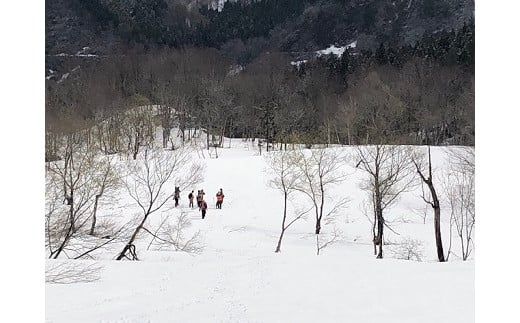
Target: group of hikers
(201,203)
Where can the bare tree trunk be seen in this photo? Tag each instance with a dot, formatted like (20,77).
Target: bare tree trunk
(56,254)
(207,138)
(374,224)
(379,213)
(317,245)
(278,246)
(328,134)
(435,205)
(320,215)
(136,146)
(166,136)
(130,243)
(380,227)
(437,225)
(94,218)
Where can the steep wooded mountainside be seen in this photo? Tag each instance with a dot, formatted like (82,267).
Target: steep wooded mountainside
(107,26)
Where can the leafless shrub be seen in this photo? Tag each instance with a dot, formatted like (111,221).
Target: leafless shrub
(408,249)
(421,212)
(460,193)
(327,239)
(462,159)
(173,235)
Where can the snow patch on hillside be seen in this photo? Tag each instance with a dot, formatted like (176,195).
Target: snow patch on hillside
(338,51)
(298,63)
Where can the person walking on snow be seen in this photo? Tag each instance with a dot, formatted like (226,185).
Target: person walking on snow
(200,197)
(177,195)
(203,208)
(190,197)
(220,199)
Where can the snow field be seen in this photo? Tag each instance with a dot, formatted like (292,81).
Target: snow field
(239,278)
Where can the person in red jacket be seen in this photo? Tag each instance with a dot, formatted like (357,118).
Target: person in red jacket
(203,208)
(220,199)
(200,197)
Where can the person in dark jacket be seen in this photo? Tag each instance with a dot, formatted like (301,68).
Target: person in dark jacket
(177,195)
(191,197)
(220,199)
(203,208)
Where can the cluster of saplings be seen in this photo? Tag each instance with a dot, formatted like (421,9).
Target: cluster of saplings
(389,171)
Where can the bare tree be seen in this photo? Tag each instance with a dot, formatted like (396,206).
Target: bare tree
(82,178)
(108,181)
(319,171)
(76,177)
(110,134)
(148,184)
(390,174)
(166,114)
(139,126)
(427,179)
(283,165)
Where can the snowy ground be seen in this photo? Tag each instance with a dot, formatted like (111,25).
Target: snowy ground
(238,277)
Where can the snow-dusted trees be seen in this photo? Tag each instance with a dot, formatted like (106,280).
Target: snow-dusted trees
(150,184)
(390,173)
(282,166)
(427,178)
(319,171)
(459,188)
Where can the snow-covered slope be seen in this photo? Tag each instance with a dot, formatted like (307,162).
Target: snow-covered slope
(239,278)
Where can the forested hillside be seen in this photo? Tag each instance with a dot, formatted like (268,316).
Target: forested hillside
(252,69)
